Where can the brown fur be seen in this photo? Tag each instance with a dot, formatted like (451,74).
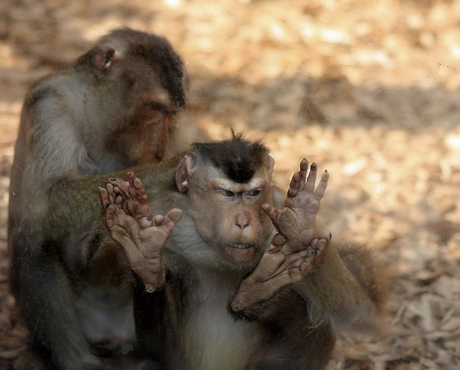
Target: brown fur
(189,322)
(112,109)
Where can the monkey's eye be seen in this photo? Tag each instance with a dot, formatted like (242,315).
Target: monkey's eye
(254,193)
(155,106)
(226,193)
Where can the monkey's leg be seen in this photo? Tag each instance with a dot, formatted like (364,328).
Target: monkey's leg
(49,308)
(142,246)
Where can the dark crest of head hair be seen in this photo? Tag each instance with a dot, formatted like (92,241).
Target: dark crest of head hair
(238,158)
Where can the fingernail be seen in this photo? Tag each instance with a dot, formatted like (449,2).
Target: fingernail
(237,306)
(313,166)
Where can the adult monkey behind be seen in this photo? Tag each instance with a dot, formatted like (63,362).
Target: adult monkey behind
(226,295)
(111,110)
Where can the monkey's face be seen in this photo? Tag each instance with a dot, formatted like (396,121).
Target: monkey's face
(229,217)
(145,139)
(147,113)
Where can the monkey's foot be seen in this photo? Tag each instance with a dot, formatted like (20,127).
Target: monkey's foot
(131,196)
(296,220)
(276,269)
(142,246)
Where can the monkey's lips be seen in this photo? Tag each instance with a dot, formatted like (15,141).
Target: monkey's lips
(240,252)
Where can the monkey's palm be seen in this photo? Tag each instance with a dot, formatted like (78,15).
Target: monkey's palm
(295,221)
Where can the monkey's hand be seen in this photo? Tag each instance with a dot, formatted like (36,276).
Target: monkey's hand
(142,246)
(296,220)
(131,196)
(277,268)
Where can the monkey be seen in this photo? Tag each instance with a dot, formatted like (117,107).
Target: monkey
(113,109)
(244,281)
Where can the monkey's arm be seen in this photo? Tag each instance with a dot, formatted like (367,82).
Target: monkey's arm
(343,286)
(340,287)
(73,203)
(348,287)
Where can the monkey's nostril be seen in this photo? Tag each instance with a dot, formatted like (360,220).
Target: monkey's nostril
(242,222)
(159,155)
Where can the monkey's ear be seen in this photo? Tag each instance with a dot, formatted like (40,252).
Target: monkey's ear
(270,163)
(104,57)
(183,174)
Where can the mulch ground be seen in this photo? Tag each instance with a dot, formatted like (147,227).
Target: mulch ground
(368,90)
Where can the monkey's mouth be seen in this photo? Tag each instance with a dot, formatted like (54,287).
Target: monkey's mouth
(240,252)
(240,246)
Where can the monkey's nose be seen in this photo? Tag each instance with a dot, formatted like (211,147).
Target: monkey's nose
(159,156)
(242,221)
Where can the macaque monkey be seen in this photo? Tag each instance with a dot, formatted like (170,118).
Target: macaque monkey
(224,291)
(113,109)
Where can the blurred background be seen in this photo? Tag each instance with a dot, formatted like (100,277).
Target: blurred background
(369,90)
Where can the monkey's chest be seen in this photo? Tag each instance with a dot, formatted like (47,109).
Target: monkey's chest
(212,339)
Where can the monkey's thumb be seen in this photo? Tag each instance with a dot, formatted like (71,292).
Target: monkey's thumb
(276,244)
(175,215)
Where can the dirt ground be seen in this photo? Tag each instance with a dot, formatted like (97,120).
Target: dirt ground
(367,89)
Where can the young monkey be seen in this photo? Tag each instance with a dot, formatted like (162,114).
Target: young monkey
(220,290)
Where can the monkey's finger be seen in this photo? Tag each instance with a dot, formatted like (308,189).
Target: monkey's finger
(157,220)
(314,243)
(294,185)
(306,266)
(323,243)
(315,255)
(140,190)
(303,173)
(175,215)
(104,197)
(267,267)
(312,260)
(276,244)
(132,187)
(109,216)
(311,180)
(250,293)
(172,218)
(321,189)
(291,261)
(109,189)
(272,212)
(118,201)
